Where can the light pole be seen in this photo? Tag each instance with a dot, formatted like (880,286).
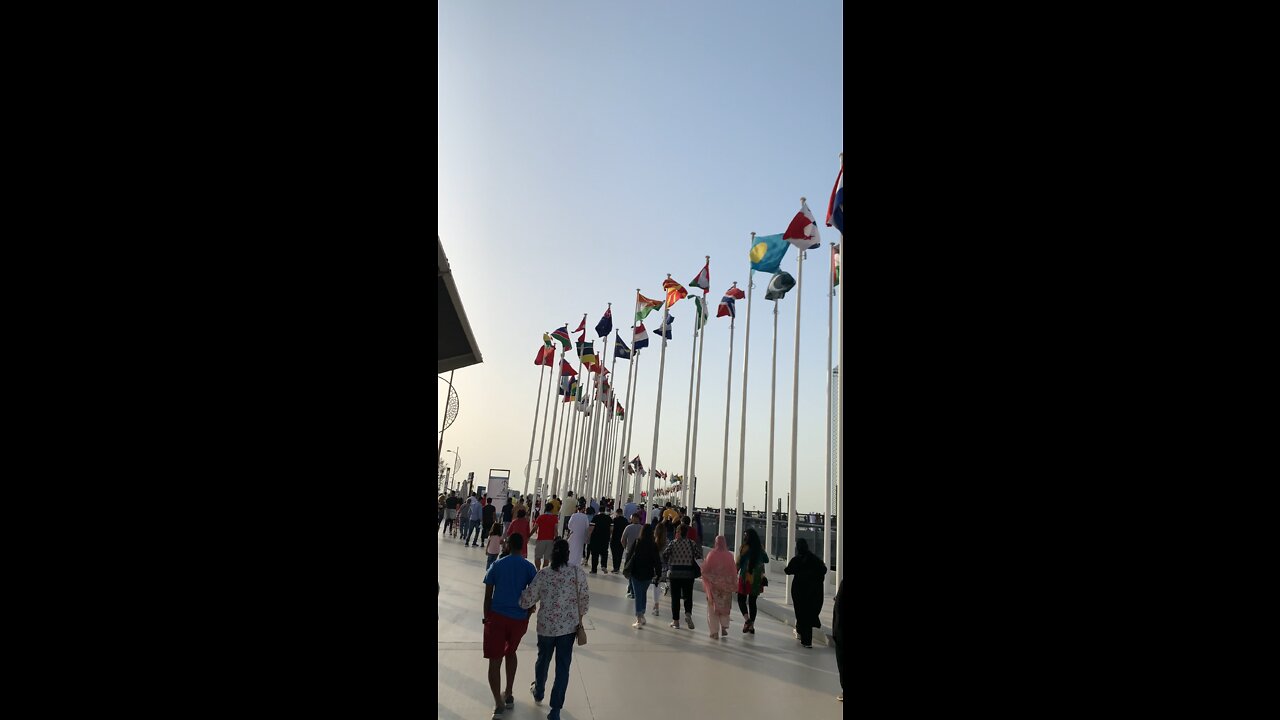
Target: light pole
(457,464)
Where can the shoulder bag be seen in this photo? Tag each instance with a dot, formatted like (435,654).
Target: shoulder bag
(582,632)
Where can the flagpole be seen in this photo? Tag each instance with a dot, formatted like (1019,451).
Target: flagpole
(691,489)
(688,425)
(773,401)
(795,419)
(739,528)
(632,379)
(534,435)
(840,425)
(657,413)
(562,425)
(579,433)
(556,426)
(728,398)
(592,448)
(826,512)
(539,481)
(626,394)
(613,405)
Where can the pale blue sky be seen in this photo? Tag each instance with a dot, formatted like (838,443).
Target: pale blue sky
(587,149)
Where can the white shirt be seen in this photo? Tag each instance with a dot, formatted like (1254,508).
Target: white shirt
(578,525)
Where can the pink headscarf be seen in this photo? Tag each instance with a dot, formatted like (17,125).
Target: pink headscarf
(719,571)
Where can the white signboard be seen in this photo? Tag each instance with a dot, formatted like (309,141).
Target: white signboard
(498,486)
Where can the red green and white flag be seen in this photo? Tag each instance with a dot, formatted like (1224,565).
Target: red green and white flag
(703,278)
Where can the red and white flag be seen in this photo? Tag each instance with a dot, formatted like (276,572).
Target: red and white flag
(803,230)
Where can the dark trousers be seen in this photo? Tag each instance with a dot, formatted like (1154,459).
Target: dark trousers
(599,554)
(616,547)
(562,648)
(681,589)
(743,601)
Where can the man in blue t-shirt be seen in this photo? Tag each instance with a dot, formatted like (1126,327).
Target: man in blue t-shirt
(505,622)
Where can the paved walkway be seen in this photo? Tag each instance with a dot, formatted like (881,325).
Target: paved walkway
(624,673)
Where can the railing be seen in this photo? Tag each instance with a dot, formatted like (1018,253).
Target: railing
(806,530)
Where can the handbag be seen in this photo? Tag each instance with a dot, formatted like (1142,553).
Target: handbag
(626,567)
(581,632)
(697,571)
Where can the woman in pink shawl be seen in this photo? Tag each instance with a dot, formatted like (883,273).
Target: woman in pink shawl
(720,581)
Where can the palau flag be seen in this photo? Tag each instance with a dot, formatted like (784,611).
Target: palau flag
(766,255)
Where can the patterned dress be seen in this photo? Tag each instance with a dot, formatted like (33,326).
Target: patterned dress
(560,603)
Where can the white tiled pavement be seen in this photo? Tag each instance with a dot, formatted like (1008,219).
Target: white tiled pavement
(626,673)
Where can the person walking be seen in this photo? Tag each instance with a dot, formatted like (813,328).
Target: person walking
(630,535)
(450,513)
(477,522)
(545,530)
(489,514)
(520,526)
(806,590)
(660,539)
(642,567)
(719,581)
(601,527)
(619,526)
(752,560)
(508,512)
(493,546)
(558,594)
(505,621)
(567,510)
(681,554)
(578,531)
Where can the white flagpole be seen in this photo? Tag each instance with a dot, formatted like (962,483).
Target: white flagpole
(534,435)
(773,402)
(844,281)
(657,413)
(795,421)
(688,425)
(624,439)
(593,449)
(826,511)
(562,445)
(633,378)
(557,433)
(728,398)
(540,480)
(610,414)
(691,489)
(739,528)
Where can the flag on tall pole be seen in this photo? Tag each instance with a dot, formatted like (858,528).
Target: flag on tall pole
(690,498)
(703,278)
(835,208)
(644,306)
(803,230)
(605,326)
(675,291)
(641,339)
(565,369)
(546,353)
(533,434)
(582,326)
(673,288)
(838,219)
(835,264)
(767,252)
(562,335)
(726,304)
(665,330)
(730,295)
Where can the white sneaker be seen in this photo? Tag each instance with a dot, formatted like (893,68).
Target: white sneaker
(639,623)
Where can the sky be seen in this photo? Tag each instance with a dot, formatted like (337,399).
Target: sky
(587,149)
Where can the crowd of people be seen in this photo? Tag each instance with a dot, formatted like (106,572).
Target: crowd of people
(659,551)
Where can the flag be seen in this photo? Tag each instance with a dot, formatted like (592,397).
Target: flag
(835,189)
(835,210)
(835,265)
(562,335)
(583,337)
(639,465)
(675,291)
(566,384)
(699,314)
(546,356)
(620,349)
(703,278)
(779,285)
(644,306)
(766,255)
(582,326)
(587,353)
(605,326)
(667,331)
(803,230)
(572,391)
(617,409)
(606,393)
(726,302)
(641,339)
(566,369)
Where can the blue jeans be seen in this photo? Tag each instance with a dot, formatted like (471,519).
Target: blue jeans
(640,589)
(562,646)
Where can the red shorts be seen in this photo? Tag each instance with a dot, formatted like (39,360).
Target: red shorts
(502,635)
